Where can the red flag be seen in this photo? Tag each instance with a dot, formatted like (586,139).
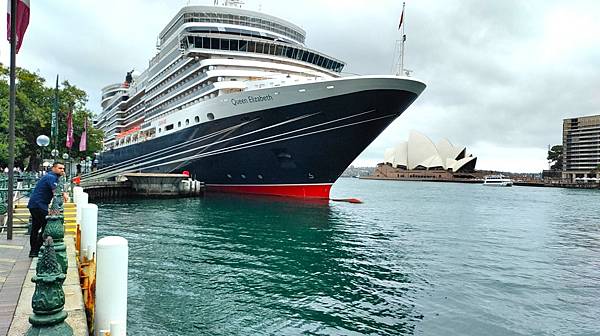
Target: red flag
(21,21)
(83,141)
(70,141)
(401,18)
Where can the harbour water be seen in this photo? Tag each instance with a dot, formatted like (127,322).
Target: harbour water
(414,258)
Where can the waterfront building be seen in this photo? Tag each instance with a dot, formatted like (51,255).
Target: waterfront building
(420,153)
(581,147)
(421,159)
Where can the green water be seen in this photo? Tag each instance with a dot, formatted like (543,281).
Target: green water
(415,258)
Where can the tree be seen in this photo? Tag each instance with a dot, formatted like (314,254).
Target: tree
(555,157)
(33,112)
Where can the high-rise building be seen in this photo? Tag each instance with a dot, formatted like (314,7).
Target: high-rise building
(581,147)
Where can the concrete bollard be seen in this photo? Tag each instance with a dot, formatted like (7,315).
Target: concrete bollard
(82,199)
(111,285)
(76,192)
(89,229)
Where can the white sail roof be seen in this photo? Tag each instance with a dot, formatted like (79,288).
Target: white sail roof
(420,152)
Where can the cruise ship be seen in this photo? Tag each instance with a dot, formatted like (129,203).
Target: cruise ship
(236,98)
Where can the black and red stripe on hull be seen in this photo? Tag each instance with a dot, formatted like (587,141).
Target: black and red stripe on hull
(295,150)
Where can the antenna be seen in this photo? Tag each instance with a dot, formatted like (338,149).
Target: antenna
(402,47)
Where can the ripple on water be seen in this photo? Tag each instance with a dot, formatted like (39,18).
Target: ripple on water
(486,261)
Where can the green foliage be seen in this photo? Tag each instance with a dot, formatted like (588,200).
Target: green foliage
(555,157)
(33,113)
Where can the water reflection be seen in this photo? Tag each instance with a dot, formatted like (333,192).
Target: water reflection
(244,265)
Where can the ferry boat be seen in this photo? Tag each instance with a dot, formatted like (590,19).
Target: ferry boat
(497,181)
(238,100)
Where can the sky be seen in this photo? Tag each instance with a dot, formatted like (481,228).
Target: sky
(501,75)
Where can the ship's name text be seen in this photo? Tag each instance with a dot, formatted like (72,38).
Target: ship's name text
(251,99)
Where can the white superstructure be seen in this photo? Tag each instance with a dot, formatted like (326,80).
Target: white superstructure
(204,53)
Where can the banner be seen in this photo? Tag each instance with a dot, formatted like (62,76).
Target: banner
(21,21)
(69,143)
(83,141)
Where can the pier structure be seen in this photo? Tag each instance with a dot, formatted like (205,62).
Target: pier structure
(144,184)
(42,295)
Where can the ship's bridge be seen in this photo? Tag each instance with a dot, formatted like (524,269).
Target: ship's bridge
(234,19)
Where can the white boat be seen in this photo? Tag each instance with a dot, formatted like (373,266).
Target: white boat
(497,181)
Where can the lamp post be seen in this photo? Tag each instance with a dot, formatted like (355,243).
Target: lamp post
(42,141)
(65,157)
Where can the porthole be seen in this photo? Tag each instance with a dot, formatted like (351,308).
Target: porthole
(228,175)
(210,116)
(159,130)
(311,176)
(179,124)
(243,176)
(197,119)
(187,122)
(260,177)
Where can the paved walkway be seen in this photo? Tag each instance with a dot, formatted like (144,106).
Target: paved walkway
(14,264)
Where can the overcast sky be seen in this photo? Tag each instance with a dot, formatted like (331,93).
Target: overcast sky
(501,75)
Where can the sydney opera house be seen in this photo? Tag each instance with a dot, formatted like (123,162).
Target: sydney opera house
(419,157)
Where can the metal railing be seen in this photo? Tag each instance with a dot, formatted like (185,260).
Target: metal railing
(24,183)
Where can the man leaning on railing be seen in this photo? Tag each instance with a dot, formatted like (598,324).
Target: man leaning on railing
(38,205)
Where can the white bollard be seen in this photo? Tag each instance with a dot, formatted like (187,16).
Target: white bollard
(116,328)
(89,229)
(82,200)
(76,192)
(111,285)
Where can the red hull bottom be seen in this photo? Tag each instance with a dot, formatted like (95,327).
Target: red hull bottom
(318,191)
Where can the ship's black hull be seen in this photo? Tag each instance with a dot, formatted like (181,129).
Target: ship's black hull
(295,150)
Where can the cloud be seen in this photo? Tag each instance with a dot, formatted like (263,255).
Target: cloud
(501,75)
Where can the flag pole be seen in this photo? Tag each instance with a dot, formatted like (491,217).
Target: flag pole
(11,118)
(403,40)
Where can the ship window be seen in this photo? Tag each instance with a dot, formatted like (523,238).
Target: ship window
(214,43)
(260,47)
(169,127)
(224,44)
(243,46)
(159,130)
(251,46)
(243,176)
(260,177)
(187,122)
(210,116)
(234,45)
(305,56)
(179,124)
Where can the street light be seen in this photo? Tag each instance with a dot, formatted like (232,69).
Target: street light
(65,157)
(42,141)
(54,153)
